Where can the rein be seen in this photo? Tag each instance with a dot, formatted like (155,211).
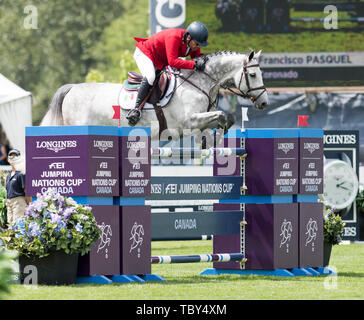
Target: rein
(241,93)
(211,104)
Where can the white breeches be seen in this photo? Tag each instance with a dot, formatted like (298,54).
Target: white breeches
(145,65)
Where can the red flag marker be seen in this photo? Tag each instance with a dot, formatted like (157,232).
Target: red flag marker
(301,121)
(116,113)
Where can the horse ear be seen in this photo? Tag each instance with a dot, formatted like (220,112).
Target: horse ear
(251,55)
(257,55)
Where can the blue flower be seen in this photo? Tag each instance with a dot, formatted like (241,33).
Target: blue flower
(33,229)
(55,218)
(78,228)
(61,225)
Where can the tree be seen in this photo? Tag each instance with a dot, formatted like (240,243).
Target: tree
(55,50)
(114,51)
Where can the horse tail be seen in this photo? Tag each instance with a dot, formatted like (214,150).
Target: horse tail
(54,114)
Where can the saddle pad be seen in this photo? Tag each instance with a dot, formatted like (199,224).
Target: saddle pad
(128,95)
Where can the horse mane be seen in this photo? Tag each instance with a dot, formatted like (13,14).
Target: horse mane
(223,53)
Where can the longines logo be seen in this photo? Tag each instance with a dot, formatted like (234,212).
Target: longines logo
(103,145)
(311,147)
(56,146)
(340,139)
(285,147)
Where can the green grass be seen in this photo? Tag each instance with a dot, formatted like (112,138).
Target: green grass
(185,283)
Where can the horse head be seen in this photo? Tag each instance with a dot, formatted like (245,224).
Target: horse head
(249,81)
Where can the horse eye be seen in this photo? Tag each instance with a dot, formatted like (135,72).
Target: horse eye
(252,74)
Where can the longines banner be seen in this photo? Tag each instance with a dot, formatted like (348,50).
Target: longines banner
(312,67)
(166,14)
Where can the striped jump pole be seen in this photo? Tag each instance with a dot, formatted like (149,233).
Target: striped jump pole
(197,153)
(216,257)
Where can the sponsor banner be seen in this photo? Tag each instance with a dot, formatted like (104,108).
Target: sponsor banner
(194,188)
(134,166)
(166,14)
(340,144)
(73,165)
(311,166)
(195,224)
(312,76)
(311,59)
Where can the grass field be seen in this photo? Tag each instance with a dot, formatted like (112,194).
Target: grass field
(184,283)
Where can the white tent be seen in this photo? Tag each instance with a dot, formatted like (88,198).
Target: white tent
(15,112)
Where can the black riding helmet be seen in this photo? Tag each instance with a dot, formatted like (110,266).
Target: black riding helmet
(198,32)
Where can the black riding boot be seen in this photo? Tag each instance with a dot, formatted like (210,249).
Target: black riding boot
(135,114)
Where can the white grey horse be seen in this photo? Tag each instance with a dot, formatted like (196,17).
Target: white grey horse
(91,103)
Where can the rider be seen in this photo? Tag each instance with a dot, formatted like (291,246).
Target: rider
(162,49)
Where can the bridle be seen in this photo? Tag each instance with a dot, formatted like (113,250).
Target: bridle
(241,93)
(250,89)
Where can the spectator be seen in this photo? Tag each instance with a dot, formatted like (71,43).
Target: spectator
(15,187)
(3,155)
(228,12)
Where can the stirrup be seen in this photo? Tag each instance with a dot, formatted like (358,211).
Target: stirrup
(133,116)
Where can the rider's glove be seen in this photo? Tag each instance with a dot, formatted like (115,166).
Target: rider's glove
(200,63)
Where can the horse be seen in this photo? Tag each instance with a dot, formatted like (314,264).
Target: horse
(192,106)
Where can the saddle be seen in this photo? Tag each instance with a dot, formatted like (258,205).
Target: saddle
(160,84)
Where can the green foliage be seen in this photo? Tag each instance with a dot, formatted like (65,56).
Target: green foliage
(333,228)
(6,270)
(360,200)
(114,51)
(58,50)
(94,76)
(3,209)
(3,175)
(53,223)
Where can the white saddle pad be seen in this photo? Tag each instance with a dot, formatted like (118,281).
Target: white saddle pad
(128,97)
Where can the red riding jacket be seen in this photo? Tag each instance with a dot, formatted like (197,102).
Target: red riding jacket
(164,48)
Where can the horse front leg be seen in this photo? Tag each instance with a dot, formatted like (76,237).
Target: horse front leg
(201,122)
(206,120)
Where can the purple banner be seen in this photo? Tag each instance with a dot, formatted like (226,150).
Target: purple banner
(135,166)
(73,165)
(311,165)
(135,240)
(271,236)
(104,257)
(271,166)
(311,235)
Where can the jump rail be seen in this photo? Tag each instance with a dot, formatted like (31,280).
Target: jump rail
(216,257)
(197,153)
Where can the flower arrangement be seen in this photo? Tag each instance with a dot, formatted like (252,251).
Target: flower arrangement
(53,222)
(333,227)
